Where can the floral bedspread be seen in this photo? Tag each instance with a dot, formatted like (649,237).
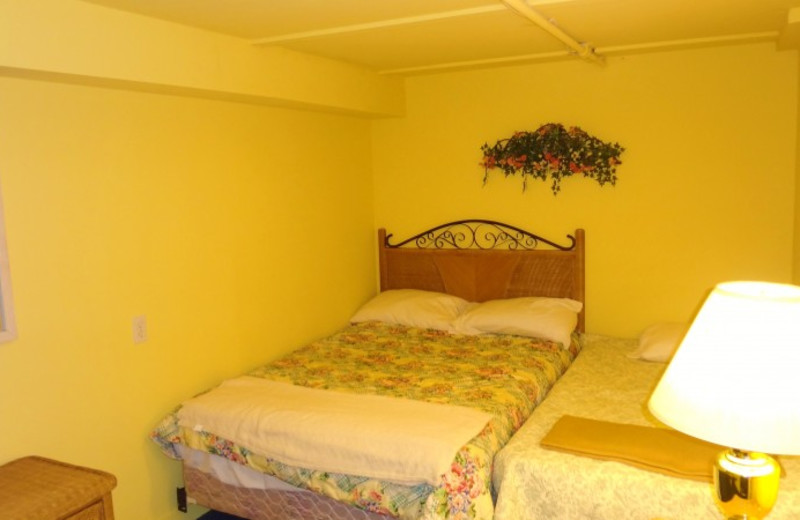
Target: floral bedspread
(506,376)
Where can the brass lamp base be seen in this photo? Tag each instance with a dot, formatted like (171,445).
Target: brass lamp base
(746,484)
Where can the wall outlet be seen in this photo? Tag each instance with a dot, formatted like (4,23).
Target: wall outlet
(139,329)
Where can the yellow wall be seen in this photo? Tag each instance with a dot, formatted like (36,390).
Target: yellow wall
(238,231)
(705,194)
(80,42)
(796,271)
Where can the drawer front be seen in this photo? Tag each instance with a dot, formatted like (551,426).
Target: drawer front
(93,512)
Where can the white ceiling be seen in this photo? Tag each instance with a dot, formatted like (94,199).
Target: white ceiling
(412,36)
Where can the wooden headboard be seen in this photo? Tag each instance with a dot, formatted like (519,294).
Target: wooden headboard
(481,260)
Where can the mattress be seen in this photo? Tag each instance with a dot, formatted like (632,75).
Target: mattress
(604,383)
(504,376)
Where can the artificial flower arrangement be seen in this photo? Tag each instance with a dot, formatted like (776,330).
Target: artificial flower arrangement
(554,151)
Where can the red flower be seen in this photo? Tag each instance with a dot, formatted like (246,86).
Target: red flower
(517,162)
(488,161)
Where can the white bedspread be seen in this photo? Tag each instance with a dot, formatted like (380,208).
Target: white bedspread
(386,438)
(540,484)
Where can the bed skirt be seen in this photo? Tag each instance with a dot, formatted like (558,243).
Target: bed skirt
(267,504)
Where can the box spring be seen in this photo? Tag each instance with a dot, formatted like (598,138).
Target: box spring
(267,504)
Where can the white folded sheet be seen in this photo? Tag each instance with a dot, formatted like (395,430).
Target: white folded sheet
(386,438)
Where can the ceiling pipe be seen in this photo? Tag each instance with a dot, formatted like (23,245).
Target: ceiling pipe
(380,24)
(583,50)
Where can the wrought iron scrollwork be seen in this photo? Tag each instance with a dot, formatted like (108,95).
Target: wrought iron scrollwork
(478,234)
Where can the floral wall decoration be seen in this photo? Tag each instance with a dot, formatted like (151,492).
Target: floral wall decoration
(555,152)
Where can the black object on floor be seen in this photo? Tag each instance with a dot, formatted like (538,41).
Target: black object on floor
(216,515)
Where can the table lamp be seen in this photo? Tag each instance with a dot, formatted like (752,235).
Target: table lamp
(735,381)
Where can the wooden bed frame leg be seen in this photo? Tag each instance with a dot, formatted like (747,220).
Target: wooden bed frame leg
(182,502)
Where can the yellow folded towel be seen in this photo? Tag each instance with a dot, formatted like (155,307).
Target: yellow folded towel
(656,449)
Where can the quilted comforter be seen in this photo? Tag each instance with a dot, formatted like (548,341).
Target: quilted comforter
(505,376)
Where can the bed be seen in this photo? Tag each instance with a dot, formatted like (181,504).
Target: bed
(469,358)
(609,381)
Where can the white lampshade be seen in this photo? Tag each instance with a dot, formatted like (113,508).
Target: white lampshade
(735,379)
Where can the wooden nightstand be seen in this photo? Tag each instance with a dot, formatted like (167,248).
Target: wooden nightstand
(35,488)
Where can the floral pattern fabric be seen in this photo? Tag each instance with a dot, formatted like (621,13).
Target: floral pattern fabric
(606,383)
(506,376)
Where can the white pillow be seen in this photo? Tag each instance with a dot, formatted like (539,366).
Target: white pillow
(659,341)
(413,308)
(553,319)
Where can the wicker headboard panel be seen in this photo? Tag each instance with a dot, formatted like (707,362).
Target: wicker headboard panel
(481,260)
